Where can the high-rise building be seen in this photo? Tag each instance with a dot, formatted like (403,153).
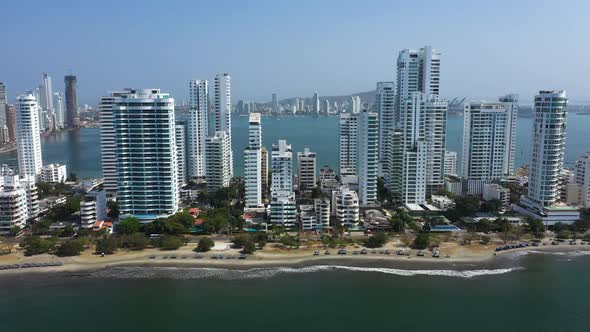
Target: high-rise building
(46,94)
(281,168)
(223,112)
(450,163)
(417,71)
(326,106)
(356,104)
(306,169)
(315,103)
(28,142)
(423,145)
(107,140)
(253,163)
(368,156)
(488,143)
(181,149)
(385,106)
(264,169)
(283,210)
(11,122)
(275,104)
(547,155)
(54,173)
(198,127)
(145,151)
(217,161)
(582,179)
(322,212)
(3,103)
(510,101)
(72,115)
(13,204)
(347,143)
(58,105)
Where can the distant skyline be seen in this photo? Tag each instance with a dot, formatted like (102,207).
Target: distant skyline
(295,48)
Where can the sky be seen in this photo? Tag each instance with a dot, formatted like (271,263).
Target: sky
(293,48)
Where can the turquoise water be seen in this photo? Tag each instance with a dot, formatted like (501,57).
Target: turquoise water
(80,149)
(541,293)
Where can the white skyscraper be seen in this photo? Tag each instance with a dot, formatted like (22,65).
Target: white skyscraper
(223,109)
(347,143)
(198,127)
(145,154)
(450,163)
(368,156)
(355,101)
(417,71)
(107,141)
(385,106)
(548,150)
(488,143)
(181,160)
(253,163)
(58,104)
(510,101)
(217,162)
(281,168)
(582,179)
(28,142)
(46,93)
(423,128)
(275,104)
(306,169)
(315,103)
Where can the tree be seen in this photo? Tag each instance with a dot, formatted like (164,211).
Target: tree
(129,225)
(583,224)
(183,218)
(376,241)
(68,231)
(239,241)
(205,244)
(14,230)
(535,227)
(135,241)
(113,207)
(485,239)
(422,241)
(72,177)
(506,229)
(492,205)
(249,248)
(70,248)
(289,241)
(107,245)
(35,245)
(464,206)
(170,242)
(564,234)
(316,192)
(484,225)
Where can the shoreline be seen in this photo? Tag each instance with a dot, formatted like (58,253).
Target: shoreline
(78,265)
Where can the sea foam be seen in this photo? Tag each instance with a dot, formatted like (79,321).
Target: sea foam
(265,273)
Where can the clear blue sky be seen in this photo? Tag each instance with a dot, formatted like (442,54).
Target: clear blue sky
(295,47)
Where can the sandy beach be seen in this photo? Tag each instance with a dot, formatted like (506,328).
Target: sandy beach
(453,256)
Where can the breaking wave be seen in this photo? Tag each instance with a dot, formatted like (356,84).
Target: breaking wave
(265,273)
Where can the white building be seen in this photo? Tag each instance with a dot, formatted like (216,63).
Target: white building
(417,71)
(385,106)
(253,163)
(488,143)
(107,140)
(494,191)
(442,202)
(281,168)
(347,143)
(307,218)
(217,163)
(145,154)
(282,209)
(345,203)
(58,104)
(13,204)
(368,156)
(198,126)
(28,142)
(356,104)
(322,212)
(54,173)
(450,163)
(223,109)
(423,145)
(93,208)
(548,150)
(306,169)
(181,152)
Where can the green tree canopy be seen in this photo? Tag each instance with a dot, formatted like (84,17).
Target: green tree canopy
(70,248)
(205,244)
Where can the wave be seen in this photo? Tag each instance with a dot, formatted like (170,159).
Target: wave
(266,273)
(574,253)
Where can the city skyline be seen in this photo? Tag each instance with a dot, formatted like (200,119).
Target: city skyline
(513,50)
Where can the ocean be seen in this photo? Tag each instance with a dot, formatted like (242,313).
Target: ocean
(80,149)
(534,292)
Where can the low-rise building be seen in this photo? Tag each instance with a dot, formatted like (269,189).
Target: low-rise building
(307,218)
(442,202)
(346,206)
(54,173)
(322,211)
(495,191)
(454,185)
(283,210)
(93,208)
